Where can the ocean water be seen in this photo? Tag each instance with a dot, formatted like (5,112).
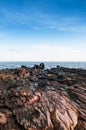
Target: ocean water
(81,65)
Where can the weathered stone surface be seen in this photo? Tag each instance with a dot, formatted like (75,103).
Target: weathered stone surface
(39,99)
(3,118)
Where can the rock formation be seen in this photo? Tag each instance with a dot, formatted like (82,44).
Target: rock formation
(42,99)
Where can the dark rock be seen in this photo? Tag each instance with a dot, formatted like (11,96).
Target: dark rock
(23,66)
(36,66)
(42,66)
(42,82)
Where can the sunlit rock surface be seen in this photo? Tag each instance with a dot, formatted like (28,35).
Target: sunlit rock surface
(42,99)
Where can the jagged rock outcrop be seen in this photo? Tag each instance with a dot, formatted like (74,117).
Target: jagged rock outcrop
(42,99)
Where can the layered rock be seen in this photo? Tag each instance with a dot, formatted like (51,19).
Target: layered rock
(42,99)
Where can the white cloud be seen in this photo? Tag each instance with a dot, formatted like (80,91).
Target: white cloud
(43,52)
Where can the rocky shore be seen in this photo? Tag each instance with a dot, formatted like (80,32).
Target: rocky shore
(42,99)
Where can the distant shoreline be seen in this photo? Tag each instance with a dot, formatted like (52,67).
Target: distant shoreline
(14,64)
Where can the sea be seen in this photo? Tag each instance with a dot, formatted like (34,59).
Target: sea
(80,65)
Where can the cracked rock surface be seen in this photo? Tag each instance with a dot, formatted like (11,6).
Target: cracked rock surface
(42,99)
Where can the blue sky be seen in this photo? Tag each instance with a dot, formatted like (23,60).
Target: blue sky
(42,30)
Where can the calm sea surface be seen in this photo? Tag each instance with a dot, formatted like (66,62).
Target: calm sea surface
(4,65)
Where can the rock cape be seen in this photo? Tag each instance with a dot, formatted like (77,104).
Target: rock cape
(42,99)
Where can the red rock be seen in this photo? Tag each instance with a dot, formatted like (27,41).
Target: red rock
(3,118)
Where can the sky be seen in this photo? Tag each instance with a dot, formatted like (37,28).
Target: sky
(42,30)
